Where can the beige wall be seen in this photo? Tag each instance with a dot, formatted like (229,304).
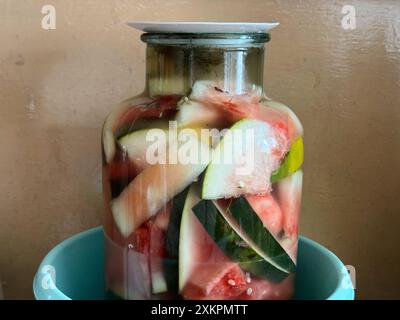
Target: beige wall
(57,86)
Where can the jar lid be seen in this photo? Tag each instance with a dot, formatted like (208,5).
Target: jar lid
(203,27)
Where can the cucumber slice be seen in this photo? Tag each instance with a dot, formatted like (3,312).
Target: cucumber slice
(292,162)
(262,259)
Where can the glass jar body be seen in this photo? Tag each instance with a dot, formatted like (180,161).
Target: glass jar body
(202,181)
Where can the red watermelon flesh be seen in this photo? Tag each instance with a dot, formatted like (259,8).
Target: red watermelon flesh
(289,195)
(122,170)
(230,105)
(262,289)
(158,250)
(156,108)
(213,275)
(150,240)
(268,211)
(216,281)
(281,117)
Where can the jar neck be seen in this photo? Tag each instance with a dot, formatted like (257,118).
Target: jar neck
(172,69)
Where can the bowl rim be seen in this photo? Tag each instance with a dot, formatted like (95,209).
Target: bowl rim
(54,293)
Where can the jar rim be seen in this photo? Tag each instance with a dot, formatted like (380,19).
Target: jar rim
(248,38)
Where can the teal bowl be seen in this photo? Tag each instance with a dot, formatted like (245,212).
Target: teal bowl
(77,265)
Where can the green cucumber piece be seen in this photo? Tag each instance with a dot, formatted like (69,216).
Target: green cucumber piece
(236,244)
(292,162)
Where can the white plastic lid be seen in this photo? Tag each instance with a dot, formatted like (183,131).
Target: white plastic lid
(203,27)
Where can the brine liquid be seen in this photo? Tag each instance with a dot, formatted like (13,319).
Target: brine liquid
(148,259)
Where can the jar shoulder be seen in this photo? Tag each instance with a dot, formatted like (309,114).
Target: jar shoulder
(271,108)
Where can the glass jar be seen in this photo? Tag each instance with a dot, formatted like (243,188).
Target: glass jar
(202,176)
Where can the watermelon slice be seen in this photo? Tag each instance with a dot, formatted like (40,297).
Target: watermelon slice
(131,110)
(240,234)
(155,186)
(196,114)
(273,111)
(204,271)
(157,251)
(170,265)
(150,240)
(237,106)
(262,289)
(268,211)
(194,244)
(216,281)
(154,239)
(208,106)
(258,144)
(122,170)
(289,198)
(137,143)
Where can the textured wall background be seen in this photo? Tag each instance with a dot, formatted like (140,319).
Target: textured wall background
(57,86)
